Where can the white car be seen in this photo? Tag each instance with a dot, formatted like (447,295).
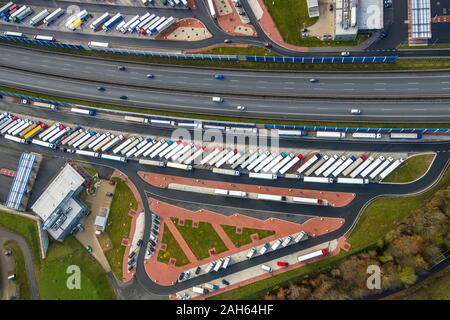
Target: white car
(241,108)
(355,111)
(345,54)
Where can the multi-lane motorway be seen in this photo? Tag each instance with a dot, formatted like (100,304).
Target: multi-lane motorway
(381,96)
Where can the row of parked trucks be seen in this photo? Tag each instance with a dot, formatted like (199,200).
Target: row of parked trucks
(369,135)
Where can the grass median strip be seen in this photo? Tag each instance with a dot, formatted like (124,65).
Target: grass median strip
(243,238)
(119,224)
(173,250)
(200,239)
(412,169)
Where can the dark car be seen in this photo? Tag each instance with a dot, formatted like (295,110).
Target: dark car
(153,243)
(139,243)
(123,97)
(225,282)
(150,76)
(227,41)
(122,68)
(131,255)
(383,34)
(99,88)
(197,271)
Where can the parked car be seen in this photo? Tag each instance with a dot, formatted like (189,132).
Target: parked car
(225,282)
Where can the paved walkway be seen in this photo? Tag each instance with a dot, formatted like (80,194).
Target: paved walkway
(230,21)
(335,199)
(188,29)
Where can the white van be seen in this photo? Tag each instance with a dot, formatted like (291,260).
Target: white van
(355,111)
(266,268)
(217,99)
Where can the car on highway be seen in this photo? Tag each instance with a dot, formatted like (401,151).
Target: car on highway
(345,54)
(123,97)
(219,76)
(150,76)
(355,111)
(122,68)
(313,80)
(100,88)
(240,108)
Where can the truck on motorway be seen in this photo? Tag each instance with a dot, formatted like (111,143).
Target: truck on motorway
(314,254)
(391,168)
(382,166)
(318,179)
(88,153)
(343,166)
(372,167)
(407,136)
(155,163)
(112,143)
(308,163)
(99,21)
(136,119)
(366,135)
(52,17)
(267,176)
(352,180)
(363,166)
(181,166)
(229,172)
(45,105)
(330,134)
(39,17)
(334,166)
(290,164)
(43,144)
(88,112)
(15,139)
(304,200)
(112,157)
(326,165)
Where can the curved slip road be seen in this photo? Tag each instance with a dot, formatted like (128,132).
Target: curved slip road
(5,236)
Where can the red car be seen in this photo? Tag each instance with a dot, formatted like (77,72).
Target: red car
(282,264)
(268,45)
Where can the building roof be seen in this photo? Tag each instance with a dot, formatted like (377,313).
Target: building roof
(370,14)
(65,183)
(313,8)
(420,12)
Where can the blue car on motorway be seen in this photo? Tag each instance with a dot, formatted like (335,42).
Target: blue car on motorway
(219,76)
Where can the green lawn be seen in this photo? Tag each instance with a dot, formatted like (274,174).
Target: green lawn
(436,287)
(51,272)
(240,240)
(119,224)
(200,239)
(173,250)
(252,51)
(412,169)
(23,288)
(291,16)
(384,213)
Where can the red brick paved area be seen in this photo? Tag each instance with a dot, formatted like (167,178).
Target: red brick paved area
(188,22)
(440,19)
(335,199)
(230,21)
(7,172)
(127,276)
(165,274)
(341,244)
(271,30)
